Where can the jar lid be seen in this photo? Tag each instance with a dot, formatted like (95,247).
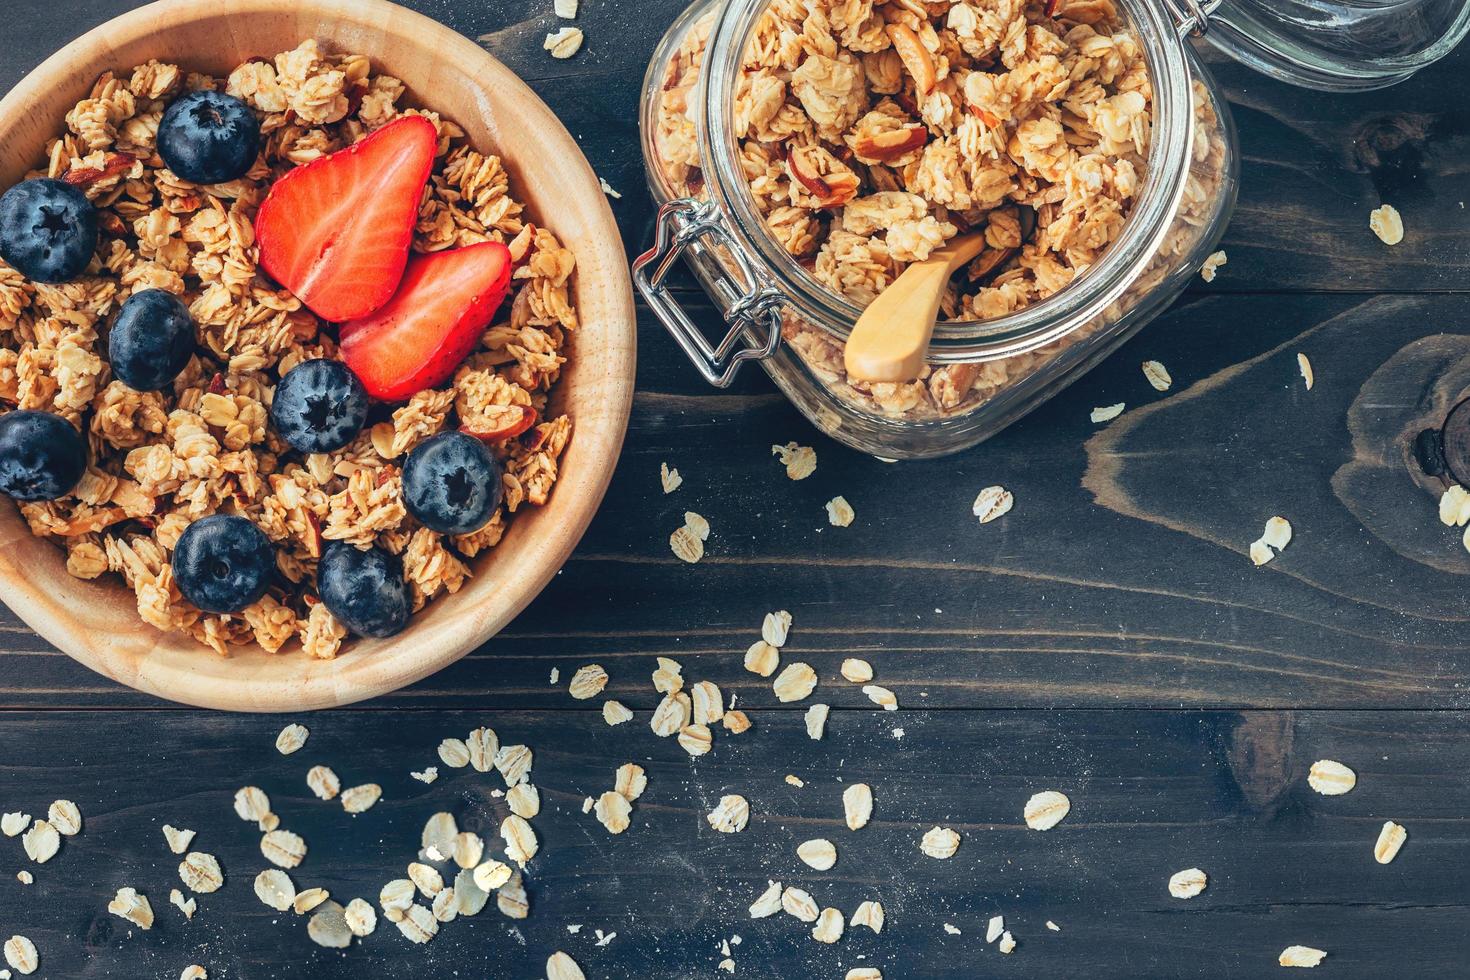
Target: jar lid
(1333,45)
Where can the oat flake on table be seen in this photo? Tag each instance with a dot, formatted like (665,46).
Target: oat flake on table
(730,815)
(840,512)
(1046,809)
(1107,413)
(1390,839)
(800,461)
(564,42)
(1212,265)
(857,805)
(587,682)
(21,954)
(1187,883)
(769,902)
(940,843)
(869,914)
(360,799)
(829,926)
(991,503)
(128,904)
(669,478)
(1157,375)
(819,854)
(615,713)
(1305,367)
(1387,224)
(560,966)
(798,902)
(794,683)
(881,696)
(292,739)
(1272,541)
(857,671)
(1331,778)
(1305,956)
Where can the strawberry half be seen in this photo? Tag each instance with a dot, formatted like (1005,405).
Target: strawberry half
(336,232)
(441,309)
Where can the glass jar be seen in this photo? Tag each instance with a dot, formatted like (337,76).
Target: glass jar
(981,375)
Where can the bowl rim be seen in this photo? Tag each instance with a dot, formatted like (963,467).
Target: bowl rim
(370,668)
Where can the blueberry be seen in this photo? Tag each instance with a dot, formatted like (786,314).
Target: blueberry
(365,590)
(42,456)
(223,563)
(319,406)
(451,483)
(48,230)
(151,340)
(209,138)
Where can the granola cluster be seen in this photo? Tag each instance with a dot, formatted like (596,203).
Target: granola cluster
(871,132)
(160,460)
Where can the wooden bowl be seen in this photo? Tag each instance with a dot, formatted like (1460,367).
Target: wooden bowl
(97,622)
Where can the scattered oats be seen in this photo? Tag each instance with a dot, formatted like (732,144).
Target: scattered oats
(524,800)
(178,840)
(491,875)
(555,676)
(1305,367)
(800,461)
(560,966)
(736,722)
(25,877)
(864,973)
(360,799)
(769,902)
(953,930)
(1260,553)
(323,782)
(1387,224)
(696,739)
(697,524)
(251,804)
(762,658)
(940,843)
(201,873)
(587,804)
(857,805)
(603,940)
(1157,375)
(305,901)
(275,889)
(857,671)
(41,842)
(14,823)
(671,715)
(1277,535)
(514,762)
(469,897)
(994,928)
(454,753)
(21,954)
(439,833)
(587,682)
(730,815)
(726,964)
(418,924)
(511,899)
(1007,943)
(1188,883)
(483,746)
(898,734)
(185,905)
(128,904)
(361,918)
(797,902)
(1046,809)
(840,512)
(816,720)
(328,927)
(613,811)
(1331,778)
(1454,507)
(829,926)
(268,823)
(1107,413)
(283,848)
(520,839)
(1212,265)
(817,853)
(65,817)
(1053,926)
(396,898)
(776,627)
(291,739)
(708,706)
(630,781)
(1300,956)
(881,696)
(614,713)
(445,906)
(427,880)
(992,502)
(686,545)
(566,9)
(797,681)
(868,914)
(669,677)
(195,972)
(670,478)
(564,42)
(1390,839)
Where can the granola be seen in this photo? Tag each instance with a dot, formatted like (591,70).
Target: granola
(203,445)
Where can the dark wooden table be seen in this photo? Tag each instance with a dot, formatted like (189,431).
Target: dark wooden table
(1108,638)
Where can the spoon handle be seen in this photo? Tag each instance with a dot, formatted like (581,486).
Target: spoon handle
(890,339)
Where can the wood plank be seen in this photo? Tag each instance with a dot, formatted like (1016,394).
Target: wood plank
(1120,578)
(1152,793)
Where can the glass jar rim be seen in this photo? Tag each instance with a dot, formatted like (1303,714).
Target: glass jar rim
(1038,324)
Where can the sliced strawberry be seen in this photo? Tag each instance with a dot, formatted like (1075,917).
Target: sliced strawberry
(441,309)
(336,232)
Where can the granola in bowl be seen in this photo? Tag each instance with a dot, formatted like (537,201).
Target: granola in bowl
(209,443)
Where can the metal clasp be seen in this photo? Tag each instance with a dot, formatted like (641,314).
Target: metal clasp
(748,305)
(1192,17)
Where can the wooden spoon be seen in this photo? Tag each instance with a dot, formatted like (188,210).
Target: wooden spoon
(890,339)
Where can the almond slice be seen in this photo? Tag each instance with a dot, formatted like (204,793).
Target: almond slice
(891,144)
(915,58)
